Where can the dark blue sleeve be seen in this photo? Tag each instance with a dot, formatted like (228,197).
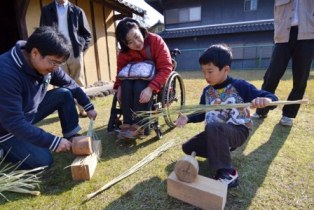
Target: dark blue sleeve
(61,79)
(248,92)
(194,118)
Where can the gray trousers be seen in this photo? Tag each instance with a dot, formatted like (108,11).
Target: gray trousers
(215,142)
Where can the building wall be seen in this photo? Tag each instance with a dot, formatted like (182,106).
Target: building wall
(222,11)
(250,50)
(100,57)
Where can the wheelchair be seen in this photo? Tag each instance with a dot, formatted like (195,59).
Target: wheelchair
(172,94)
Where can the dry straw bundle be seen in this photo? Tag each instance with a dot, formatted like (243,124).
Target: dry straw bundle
(19,181)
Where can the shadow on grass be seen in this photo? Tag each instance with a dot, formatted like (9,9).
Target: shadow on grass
(253,168)
(113,148)
(150,194)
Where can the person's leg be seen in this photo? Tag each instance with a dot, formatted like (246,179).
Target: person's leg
(220,138)
(32,156)
(127,97)
(60,99)
(196,144)
(139,86)
(302,58)
(74,67)
(277,67)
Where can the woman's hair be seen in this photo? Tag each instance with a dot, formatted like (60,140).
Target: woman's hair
(123,28)
(220,55)
(48,41)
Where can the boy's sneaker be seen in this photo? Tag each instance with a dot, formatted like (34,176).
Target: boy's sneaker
(228,176)
(259,116)
(286,121)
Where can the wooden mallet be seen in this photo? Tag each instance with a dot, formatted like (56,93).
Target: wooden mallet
(187,168)
(82,145)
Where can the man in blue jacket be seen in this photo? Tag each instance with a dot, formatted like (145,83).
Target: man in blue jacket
(25,73)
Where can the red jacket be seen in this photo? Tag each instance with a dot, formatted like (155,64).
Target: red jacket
(160,55)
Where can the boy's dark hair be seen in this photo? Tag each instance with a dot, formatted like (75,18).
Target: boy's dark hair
(219,54)
(48,41)
(123,29)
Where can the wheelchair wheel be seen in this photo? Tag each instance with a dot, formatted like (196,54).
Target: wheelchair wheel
(173,94)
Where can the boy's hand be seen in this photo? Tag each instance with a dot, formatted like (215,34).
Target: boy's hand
(181,121)
(260,102)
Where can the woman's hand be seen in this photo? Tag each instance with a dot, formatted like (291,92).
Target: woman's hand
(146,95)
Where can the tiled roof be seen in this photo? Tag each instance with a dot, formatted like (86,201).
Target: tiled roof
(132,7)
(239,27)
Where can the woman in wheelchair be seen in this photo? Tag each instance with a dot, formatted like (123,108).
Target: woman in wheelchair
(135,93)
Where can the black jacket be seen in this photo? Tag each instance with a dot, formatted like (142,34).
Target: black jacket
(79,31)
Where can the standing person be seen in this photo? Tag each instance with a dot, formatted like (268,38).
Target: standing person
(71,21)
(224,129)
(135,95)
(25,73)
(294,39)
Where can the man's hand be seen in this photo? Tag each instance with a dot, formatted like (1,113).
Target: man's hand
(91,114)
(260,102)
(146,95)
(64,145)
(181,121)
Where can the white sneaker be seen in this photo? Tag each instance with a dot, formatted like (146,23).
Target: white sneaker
(286,121)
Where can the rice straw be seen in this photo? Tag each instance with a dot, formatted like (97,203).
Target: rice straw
(134,168)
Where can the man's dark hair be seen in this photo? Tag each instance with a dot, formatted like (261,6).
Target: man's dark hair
(220,55)
(123,28)
(48,41)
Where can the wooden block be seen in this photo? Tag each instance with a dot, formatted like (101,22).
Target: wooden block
(83,167)
(204,192)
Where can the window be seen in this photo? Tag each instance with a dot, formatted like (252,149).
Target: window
(183,15)
(250,5)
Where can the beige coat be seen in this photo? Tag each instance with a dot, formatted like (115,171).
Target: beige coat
(283,13)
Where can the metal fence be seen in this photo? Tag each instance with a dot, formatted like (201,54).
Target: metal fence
(244,57)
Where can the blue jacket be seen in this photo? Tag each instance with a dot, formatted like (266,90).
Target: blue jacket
(21,91)
(231,91)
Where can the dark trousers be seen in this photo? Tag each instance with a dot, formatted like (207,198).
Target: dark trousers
(131,91)
(215,142)
(301,52)
(59,99)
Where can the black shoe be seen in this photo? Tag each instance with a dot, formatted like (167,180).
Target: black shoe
(228,176)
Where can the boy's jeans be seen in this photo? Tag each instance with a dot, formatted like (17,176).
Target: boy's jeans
(59,99)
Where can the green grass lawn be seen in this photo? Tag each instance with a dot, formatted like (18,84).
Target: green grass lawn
(275,165)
